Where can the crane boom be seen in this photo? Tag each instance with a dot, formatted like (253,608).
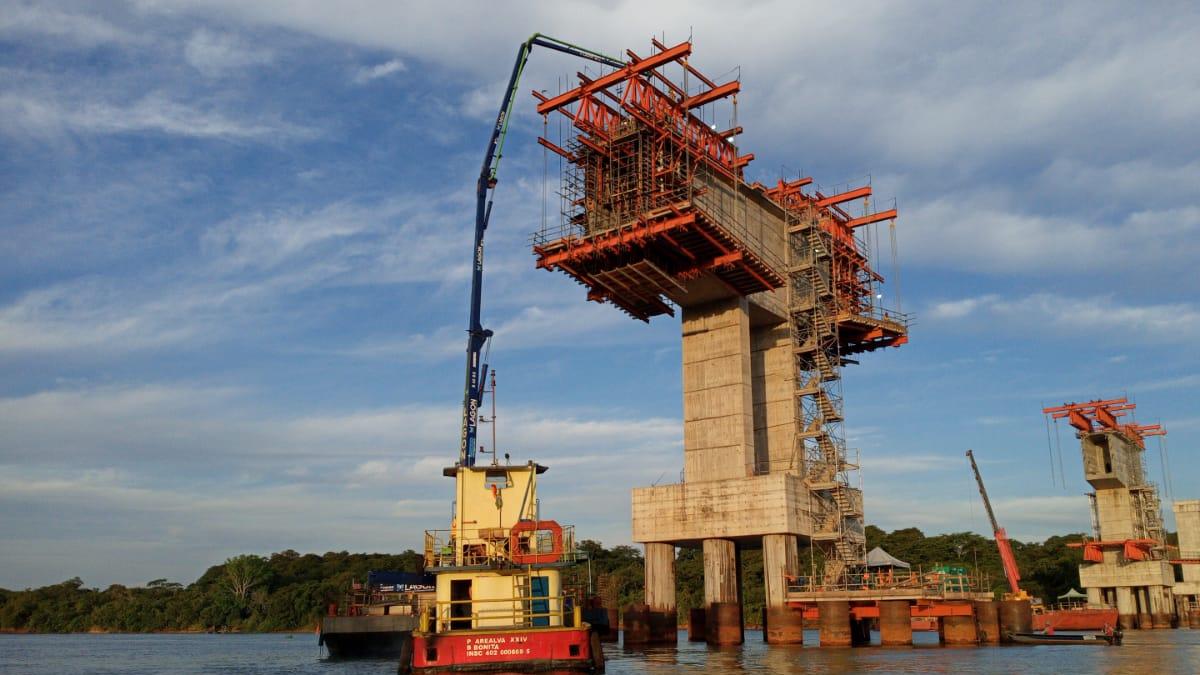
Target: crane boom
(1007,559)
(477,335)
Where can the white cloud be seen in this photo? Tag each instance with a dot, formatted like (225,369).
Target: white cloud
(32,115)
(215,54)
(78,29)
(366,74)
(154,458)
(1102,319)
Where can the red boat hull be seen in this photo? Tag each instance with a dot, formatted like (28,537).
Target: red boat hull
(1076,619)
(523,651)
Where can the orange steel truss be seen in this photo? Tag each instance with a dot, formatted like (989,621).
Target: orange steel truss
(1102,416)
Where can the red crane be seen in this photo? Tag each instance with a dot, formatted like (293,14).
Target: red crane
(1006,555)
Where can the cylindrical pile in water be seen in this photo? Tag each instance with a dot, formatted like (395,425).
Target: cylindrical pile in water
(1016,616)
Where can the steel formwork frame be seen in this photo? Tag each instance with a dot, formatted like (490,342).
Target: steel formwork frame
(639,219)
(1104,416)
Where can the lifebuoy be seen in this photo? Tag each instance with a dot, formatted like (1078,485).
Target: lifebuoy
(522,557)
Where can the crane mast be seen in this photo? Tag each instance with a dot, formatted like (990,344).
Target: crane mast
(477,335)
(1011,573)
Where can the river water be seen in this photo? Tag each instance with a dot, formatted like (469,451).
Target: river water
(1152,652)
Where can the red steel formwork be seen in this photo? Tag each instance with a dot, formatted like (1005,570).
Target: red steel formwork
(1103,416)
(645,183)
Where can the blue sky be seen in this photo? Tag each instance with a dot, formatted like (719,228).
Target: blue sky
(236,240)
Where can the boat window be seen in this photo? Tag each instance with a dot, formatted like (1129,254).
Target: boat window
(497,479)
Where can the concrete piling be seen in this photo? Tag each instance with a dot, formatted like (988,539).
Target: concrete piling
(724,623)
(696,625)
(1016,616)
(636,618)
(660,593)
(895,623)
(835,623)
(987,622)
(780,561)
(960,630)
(724,618)
(614,625)
(1126,608)
(785,626)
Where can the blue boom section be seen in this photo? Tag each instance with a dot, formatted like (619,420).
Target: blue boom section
(477,335)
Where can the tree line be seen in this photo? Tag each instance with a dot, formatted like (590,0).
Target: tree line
(291,591)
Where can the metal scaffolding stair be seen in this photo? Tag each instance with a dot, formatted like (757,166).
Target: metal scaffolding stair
(836,506)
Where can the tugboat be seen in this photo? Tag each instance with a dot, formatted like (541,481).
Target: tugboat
(500,604)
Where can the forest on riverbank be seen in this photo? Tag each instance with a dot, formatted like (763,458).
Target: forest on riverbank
(290,591)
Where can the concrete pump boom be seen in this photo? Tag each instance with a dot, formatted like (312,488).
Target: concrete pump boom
(477,335)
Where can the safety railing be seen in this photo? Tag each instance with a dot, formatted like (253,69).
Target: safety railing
(519,611)
(920,582)
(540,543)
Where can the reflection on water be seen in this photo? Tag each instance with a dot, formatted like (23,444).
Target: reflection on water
(1154,652)
(1163,652)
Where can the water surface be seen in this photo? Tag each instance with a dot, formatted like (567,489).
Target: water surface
(1154,652)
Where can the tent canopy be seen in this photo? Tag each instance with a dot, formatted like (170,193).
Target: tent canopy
(1073,595)
(881,558)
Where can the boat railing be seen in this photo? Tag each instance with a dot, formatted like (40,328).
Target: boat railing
(493,547)
(367,602)
(518,611)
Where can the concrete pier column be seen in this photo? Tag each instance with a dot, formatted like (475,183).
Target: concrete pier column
(987,621)
(1126,608)
(1145,618)
(1095,596)
(660,592)
(1016,616)
(895,623)
(614,625)
(1194,618)
(718,403)
(636,624)
(696,622)
(959,630)
(784,625)
(835,623)
(723,621)
(1162,607)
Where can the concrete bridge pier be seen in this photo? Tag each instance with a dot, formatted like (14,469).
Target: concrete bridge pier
(834,616)
(1145,617)
(895,623)
(784,625)
(662,619)
(1016,616)
(723,620)
(1126,608)
(958,631)
(987,621)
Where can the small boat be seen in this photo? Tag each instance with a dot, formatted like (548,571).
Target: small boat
(1112,639)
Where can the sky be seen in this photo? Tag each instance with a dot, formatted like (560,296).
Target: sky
(235,250)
